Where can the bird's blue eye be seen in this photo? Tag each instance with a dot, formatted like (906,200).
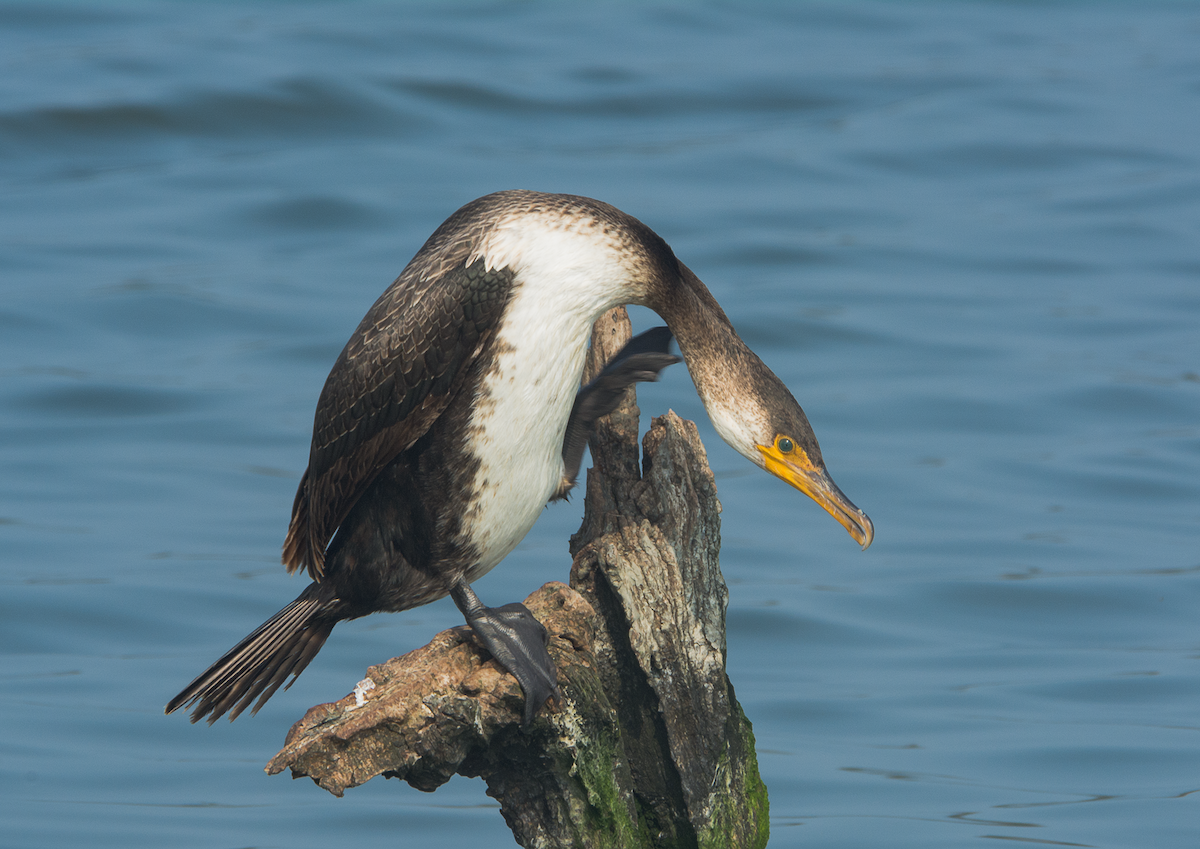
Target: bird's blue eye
(784,445)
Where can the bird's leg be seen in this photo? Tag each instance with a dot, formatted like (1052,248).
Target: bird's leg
(518,643)
(642,358)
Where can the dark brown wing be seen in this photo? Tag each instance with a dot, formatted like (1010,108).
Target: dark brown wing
(405,362)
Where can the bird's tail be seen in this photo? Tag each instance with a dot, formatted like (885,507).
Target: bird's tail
(256,666)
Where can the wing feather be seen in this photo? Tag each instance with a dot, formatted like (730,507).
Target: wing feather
(406,361)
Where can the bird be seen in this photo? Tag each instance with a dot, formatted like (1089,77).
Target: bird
(454,414)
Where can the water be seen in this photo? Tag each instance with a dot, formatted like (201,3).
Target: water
(965,235)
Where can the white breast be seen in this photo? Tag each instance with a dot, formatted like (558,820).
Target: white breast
(565,277)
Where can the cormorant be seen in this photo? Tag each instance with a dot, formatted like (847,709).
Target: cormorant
(454,414)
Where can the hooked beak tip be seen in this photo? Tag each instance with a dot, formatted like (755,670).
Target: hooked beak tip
(864,530)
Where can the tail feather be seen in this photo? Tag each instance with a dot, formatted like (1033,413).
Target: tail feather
(305,650)
(271,639)
(259,664)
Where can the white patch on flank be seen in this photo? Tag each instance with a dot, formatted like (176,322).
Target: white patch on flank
(568,271)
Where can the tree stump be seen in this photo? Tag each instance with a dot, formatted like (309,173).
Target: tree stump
(649,747)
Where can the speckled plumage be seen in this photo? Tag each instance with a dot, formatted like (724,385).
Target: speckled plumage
(408,359)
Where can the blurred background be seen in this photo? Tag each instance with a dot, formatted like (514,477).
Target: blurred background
(964,234)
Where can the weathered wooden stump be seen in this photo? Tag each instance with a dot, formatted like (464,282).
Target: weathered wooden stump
(649,748)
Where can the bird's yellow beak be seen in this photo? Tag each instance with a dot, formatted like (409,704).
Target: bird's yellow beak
(797,469)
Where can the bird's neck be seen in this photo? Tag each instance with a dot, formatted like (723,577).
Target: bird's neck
(724,370)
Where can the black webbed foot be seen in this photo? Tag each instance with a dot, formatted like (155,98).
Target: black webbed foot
(518,643)
(642,358)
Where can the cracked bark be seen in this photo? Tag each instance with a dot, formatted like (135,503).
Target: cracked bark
(650,747)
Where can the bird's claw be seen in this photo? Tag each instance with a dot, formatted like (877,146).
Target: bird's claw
(518,643)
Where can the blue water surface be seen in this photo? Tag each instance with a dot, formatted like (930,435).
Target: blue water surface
(966,235)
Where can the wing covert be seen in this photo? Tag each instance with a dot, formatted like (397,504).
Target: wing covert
(405,362)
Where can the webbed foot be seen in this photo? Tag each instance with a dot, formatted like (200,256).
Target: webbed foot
(518,643)
(642,358)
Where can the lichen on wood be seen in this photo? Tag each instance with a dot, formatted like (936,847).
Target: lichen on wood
(649,747)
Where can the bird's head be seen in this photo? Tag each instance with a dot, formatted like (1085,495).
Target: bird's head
(765,424)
